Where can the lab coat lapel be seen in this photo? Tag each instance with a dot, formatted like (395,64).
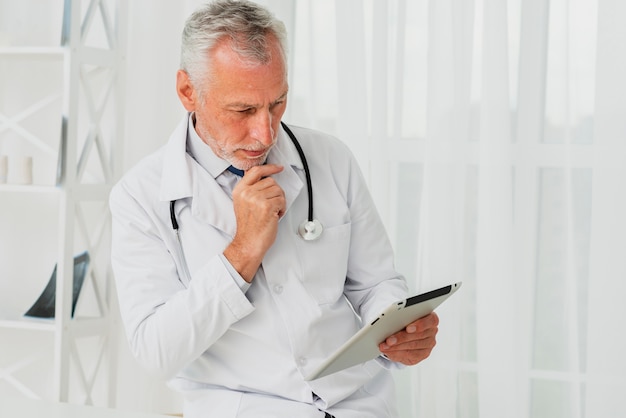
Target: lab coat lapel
(183,177)
(176,179)
(284,154)
(211,204)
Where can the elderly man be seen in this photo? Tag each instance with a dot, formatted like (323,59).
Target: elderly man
(223,289)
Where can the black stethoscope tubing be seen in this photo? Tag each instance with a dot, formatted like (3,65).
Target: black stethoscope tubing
(308,235)
(307,172)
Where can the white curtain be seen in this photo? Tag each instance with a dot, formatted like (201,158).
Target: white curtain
(493,135)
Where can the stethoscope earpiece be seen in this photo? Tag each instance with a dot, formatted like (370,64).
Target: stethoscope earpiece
(310,230)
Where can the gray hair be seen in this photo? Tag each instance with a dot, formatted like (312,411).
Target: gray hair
(247,25)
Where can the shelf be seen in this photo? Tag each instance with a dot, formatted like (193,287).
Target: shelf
(91,86)
(83,192)
(82,326)
(28,324)
(28,188)
(21,52)
(95,56)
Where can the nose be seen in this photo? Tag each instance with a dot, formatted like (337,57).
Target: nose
(261,127)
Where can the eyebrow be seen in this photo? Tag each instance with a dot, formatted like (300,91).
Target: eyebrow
(282,97)
(242,105)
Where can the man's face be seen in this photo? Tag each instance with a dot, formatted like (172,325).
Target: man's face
(242,105)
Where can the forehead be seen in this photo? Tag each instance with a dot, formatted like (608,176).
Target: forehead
(230,72)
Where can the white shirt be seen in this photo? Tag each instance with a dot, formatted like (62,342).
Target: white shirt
(239,350)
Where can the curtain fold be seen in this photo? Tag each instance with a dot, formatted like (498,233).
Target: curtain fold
(496,302)
(606,344)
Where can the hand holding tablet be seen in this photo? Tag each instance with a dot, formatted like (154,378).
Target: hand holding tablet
(413,343)
(364,345)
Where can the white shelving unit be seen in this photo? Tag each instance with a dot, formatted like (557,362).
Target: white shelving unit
(87,150)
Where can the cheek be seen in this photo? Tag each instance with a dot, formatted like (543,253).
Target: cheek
(213,124)
(227,135)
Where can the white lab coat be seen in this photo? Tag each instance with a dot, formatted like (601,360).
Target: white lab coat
(236,353)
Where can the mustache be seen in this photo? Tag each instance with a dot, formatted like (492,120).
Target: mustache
(258,146)
(254,149)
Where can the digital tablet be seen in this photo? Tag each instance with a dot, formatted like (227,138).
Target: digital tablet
(363,345)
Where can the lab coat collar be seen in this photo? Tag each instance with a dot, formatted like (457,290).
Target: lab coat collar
(285,148)
(182,177)
(177,178)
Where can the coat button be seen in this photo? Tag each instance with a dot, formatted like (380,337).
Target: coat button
(278,289)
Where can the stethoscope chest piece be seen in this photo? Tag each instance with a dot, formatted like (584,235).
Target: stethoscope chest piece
(310,230)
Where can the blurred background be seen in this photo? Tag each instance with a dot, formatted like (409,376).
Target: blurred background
(493,137)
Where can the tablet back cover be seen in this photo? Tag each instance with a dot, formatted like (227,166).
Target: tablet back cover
(363,346)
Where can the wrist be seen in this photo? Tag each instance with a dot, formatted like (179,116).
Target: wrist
(245,260)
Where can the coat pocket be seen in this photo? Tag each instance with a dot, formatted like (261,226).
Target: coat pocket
(325,263)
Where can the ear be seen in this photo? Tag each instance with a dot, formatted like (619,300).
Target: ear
(185,90)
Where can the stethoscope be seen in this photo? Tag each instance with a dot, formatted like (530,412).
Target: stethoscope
(310,229)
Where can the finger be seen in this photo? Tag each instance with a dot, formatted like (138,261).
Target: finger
(259,172)
(269,187)
(427,339)
(275,198)
(415,329)
(269,192)
(409,357)
(426,322)
(406,341)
